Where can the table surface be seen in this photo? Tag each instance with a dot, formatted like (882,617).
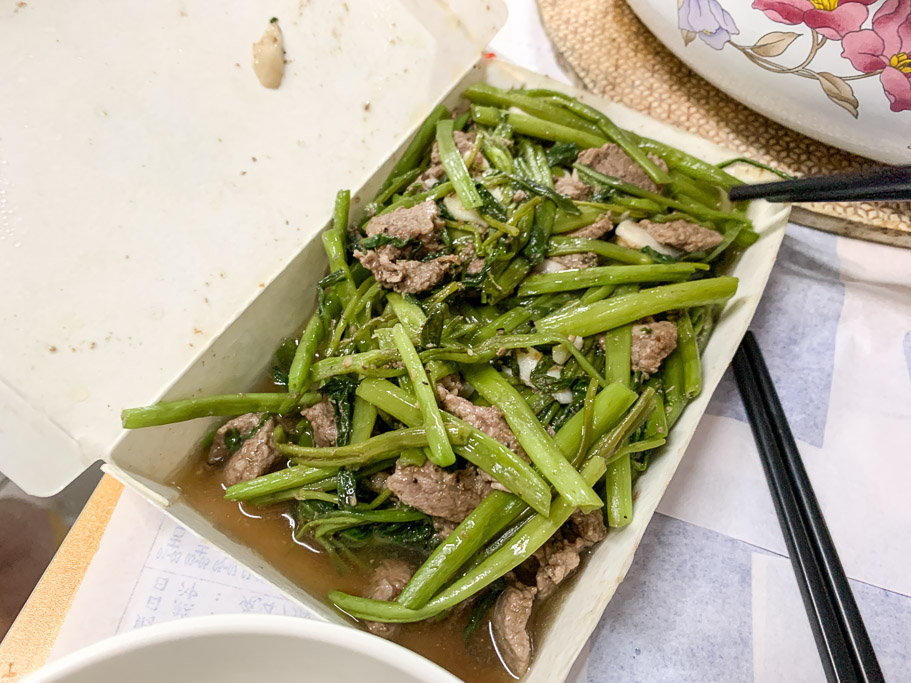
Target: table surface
(710,595)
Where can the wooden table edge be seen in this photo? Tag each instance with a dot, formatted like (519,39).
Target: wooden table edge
(28,643)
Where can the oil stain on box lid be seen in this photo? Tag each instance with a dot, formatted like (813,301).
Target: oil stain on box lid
(150,187)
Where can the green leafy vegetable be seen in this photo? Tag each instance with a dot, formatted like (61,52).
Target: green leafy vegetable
(233,440)
(490,207)
(340,392)
(332,278)
(432,331)
(562,153)
(279,376)
(539,236)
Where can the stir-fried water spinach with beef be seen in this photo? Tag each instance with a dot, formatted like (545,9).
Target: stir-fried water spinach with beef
(501,344)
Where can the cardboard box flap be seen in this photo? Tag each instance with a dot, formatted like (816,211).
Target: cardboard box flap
(151,188)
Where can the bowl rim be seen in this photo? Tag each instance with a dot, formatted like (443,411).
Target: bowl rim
(361,642)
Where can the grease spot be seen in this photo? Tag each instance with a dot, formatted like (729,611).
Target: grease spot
(79,394)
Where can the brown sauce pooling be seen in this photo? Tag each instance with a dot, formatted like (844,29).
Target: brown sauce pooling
(267,531)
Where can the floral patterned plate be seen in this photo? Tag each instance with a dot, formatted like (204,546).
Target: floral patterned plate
(836,70)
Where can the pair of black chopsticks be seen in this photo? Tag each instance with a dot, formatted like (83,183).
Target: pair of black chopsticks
(841,637)
(891,183)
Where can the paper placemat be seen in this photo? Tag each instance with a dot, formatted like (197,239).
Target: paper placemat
(612,53)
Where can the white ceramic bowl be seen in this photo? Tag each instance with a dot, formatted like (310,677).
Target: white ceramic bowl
(241,649)
(835,70)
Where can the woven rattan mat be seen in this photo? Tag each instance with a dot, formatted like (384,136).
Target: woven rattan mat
(611,52)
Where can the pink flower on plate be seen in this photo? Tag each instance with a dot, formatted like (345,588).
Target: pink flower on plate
(831,18)
(886,48)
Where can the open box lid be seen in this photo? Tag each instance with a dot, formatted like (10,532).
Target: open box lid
(150,186)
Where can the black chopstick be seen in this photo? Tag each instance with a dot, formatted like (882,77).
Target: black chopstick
(845,604)
(841,637)
(890,183)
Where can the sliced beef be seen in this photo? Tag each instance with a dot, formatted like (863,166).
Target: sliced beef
(509,624)
(468,256)
(438,493)
(399,268)
(579,261)
(219,451)
(589,528)
(596,230)
(257,452)
(613,161)
(652,343)
(488,419)
(475,266)
(431,176)
(421,222)
(570,186)
(405,276)
(388,580)
(683,235)
(559,557)
(322,419)
(452,384)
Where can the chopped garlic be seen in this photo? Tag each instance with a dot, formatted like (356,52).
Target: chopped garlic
(527,360)
(563,397)
(549,266)
(561,354)
(454,205)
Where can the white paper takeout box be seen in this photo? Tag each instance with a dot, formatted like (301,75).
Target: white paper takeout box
(158,219)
